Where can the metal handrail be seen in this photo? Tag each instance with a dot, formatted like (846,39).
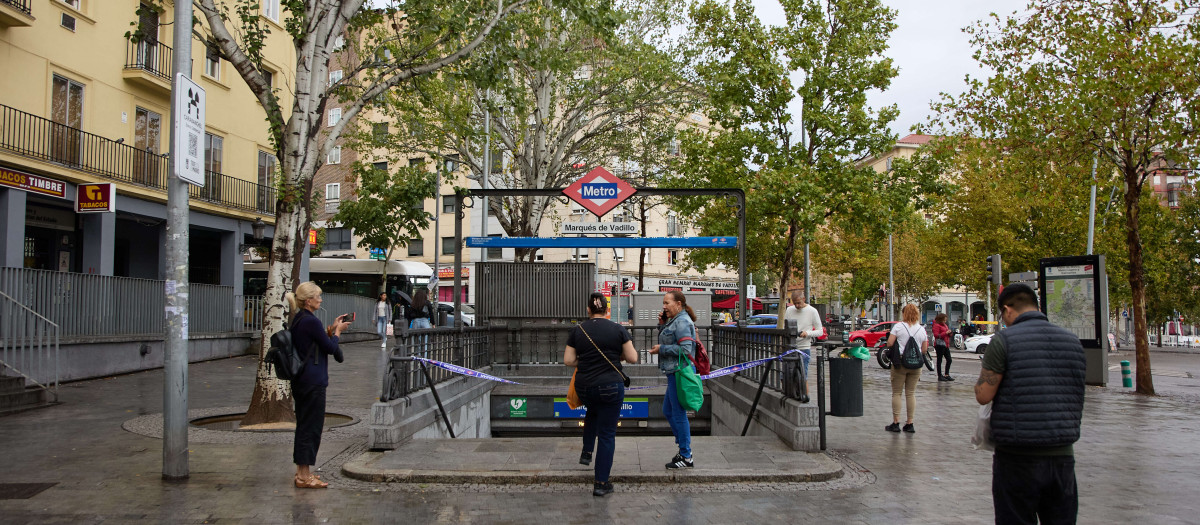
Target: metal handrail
(150,56)
(21,5)
(35,137)
(26,345)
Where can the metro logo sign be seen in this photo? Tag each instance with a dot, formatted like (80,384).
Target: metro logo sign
(599,191)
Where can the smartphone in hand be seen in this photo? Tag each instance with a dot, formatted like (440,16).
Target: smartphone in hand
(349,318)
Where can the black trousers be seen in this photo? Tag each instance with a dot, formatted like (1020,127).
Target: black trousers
(1027,489)
(943,351)
(310,421)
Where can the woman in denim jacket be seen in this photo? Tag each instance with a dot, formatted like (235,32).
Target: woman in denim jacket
(676,325)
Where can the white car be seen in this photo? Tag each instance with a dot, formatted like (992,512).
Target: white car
(978,344)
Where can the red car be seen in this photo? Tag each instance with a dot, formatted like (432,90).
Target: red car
(871,335)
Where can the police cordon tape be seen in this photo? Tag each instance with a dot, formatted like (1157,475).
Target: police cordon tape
(732,369)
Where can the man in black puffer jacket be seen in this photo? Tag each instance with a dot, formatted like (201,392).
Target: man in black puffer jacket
(1033,374)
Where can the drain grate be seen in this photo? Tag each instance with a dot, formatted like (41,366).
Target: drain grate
(22,490)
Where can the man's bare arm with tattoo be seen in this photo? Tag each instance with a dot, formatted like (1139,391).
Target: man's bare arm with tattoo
(987,385)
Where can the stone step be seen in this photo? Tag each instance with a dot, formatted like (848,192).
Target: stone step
(22,400)
(11,385)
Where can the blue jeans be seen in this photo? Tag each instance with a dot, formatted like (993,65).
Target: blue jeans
(806,355)
(600,423)
(677,418)
(381,325)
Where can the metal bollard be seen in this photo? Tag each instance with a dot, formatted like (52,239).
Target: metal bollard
(1126,375)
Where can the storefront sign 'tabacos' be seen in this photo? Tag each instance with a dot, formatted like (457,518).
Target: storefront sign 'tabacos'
(32,183)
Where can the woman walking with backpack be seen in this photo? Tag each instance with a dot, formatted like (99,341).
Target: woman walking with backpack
(310,337)
(905,378)
(596,348)
(941,345)
(676,339)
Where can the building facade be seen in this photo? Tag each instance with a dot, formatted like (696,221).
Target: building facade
(81,103)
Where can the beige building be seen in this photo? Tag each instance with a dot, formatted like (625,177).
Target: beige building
(80,103)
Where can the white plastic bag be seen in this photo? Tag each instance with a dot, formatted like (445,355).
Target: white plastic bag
(982,439)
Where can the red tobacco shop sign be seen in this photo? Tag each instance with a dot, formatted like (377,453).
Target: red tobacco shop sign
(32,183)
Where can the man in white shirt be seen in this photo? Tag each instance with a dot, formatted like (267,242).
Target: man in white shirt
(808,325)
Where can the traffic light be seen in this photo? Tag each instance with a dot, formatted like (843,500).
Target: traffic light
(994,268)
(624,283)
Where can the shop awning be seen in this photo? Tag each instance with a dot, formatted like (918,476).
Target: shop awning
(730,301)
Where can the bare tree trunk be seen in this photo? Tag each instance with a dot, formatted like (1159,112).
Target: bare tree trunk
(786,273)
(1137,284)
(642,255)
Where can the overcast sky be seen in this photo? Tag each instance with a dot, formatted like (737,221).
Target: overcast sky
(929,48)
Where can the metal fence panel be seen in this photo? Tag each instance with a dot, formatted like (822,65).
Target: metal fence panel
(28,345)
(532,290)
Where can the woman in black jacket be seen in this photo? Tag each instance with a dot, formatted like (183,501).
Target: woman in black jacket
(596,347)
(314,344)
(420,314)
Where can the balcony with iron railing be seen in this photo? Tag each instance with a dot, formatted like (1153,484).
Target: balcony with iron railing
(15,13)
(148,63)
(38,138)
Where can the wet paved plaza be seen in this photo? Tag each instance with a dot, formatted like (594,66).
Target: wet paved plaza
(1136,462)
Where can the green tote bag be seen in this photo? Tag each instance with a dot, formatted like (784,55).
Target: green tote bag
(687,385)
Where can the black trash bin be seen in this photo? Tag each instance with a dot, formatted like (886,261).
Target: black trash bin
(845,387)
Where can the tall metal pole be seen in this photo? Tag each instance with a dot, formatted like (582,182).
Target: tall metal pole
(807,276)
(891,293)
(437,234)
(744,299)
(1092,207)
(487,166)
(175,361)
(620,287)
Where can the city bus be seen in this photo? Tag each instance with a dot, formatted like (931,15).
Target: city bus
(348,276)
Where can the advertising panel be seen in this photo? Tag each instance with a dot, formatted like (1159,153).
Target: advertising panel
(95,198)
(32,183)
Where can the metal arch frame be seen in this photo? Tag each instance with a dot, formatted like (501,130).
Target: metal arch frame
(738,195)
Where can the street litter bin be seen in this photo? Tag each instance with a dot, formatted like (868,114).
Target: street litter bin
(845,387)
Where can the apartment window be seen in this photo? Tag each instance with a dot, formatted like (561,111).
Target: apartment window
(583,255)
(888,163)
(333,197)
(495,253)
(266,175)
(338,239)
(447,204)
(673,257)
(673,148)
(416,247)
(339,43)
(380,166)
(538,256)
(1173,194)
(213,148)
(73,3)
(269,78)
(447,245)
(379,131)
(646,255)
(672,225)
(335,76)
(416,162)
(577,209)
(66,108)
(147,128)
(334,156)
(270,9)
(619,254)
(212,61)
(335,116)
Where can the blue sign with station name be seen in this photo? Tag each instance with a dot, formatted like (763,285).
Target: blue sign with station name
(598,190)
(631,407)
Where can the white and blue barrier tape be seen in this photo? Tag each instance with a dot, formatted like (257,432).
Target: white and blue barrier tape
(732,369)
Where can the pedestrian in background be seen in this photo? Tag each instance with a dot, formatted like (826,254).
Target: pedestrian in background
(381,315)
(314,344)
(596,348)
(808,325)
(420,314)
(941,345)
(1033,374)
(679,322)
(904,380)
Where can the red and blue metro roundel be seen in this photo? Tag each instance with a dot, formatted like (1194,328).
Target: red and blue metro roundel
(599,191)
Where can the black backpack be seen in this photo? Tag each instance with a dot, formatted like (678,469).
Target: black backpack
(282,357)
(911,357)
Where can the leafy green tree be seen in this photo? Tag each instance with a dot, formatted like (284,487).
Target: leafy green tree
(390,43)
(1077,78)
(387,210)
(558,96)
(798,174)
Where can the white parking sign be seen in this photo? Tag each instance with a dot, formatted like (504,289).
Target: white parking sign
(189,130)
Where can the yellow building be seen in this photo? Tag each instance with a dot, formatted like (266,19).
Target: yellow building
(80,103)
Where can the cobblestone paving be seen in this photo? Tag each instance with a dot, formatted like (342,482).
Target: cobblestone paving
(1136,462)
